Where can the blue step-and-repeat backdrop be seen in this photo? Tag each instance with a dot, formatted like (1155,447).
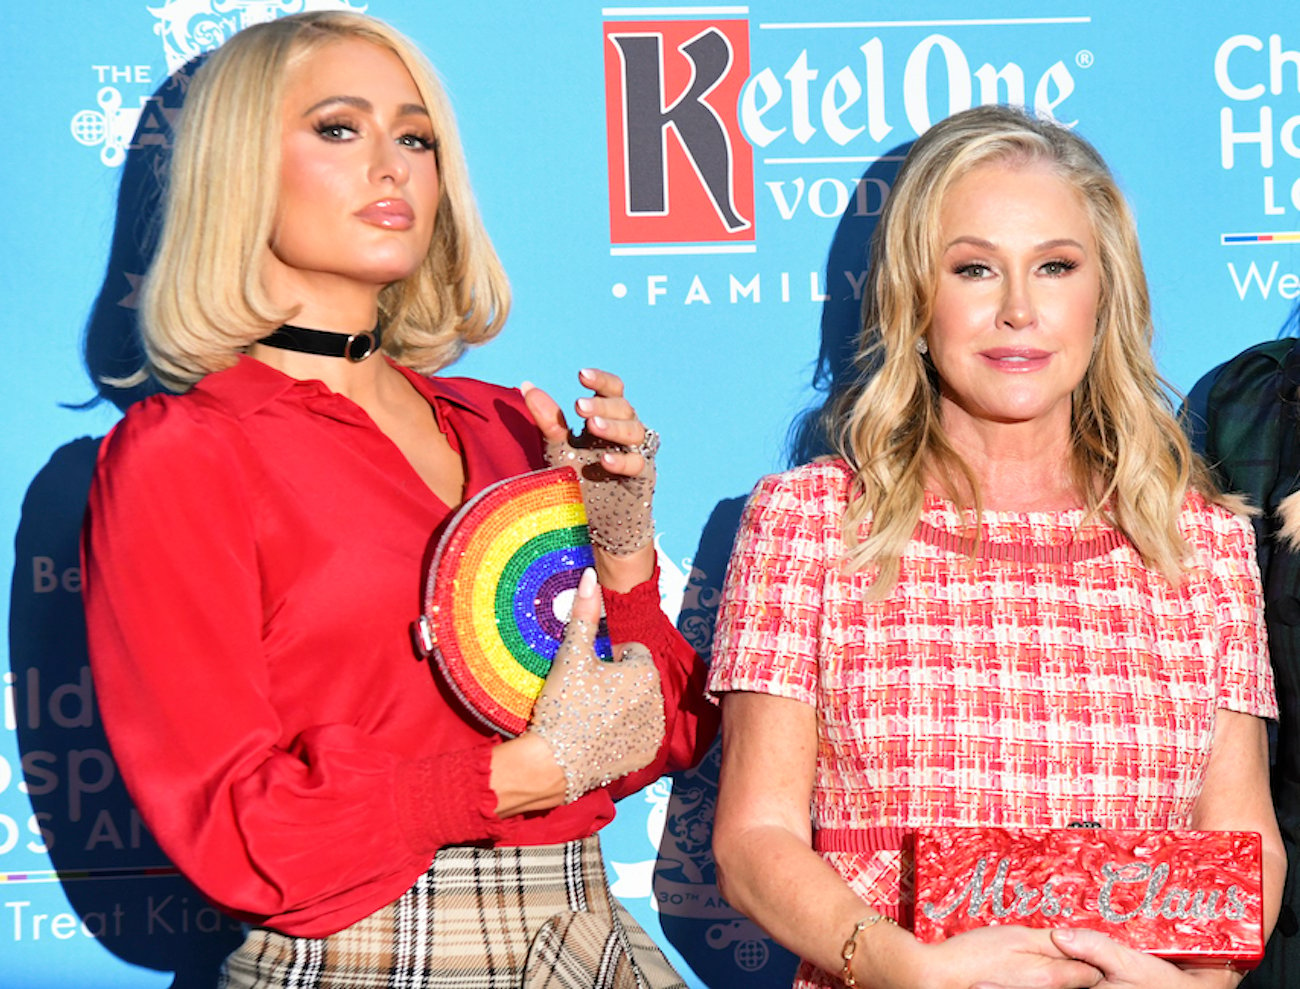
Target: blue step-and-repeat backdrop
(716,263)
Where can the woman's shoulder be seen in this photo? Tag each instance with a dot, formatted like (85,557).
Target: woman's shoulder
(1251,384)
(1210,526)
(807,499)
(819,481)
(172,418)
(1255,362)
(196,426)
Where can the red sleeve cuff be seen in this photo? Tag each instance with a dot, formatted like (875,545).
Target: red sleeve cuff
(690,720)
(448,799)
(635,615)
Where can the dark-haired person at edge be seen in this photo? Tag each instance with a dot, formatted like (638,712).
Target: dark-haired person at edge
(1252,440)
(1015,598)
(254,545)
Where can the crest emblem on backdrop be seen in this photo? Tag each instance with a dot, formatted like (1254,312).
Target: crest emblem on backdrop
(189,28)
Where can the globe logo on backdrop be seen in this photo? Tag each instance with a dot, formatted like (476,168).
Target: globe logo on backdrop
(89,128)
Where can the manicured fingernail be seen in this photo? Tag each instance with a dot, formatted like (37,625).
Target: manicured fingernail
(526,386)
(599,422)
(608,459)
(587,585)
(584,405)
(587,372)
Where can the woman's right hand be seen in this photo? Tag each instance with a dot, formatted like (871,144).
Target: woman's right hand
(1010,957)
(613,455)
(601,720)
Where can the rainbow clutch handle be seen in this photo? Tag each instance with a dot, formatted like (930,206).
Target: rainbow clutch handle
(497,593)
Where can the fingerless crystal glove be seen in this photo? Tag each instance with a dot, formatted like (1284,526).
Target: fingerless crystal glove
(619,509)
(602,720)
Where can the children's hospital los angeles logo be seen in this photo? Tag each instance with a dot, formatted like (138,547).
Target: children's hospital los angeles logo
(1259,79)
(719,121)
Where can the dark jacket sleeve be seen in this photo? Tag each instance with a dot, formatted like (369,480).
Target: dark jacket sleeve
(1245,427)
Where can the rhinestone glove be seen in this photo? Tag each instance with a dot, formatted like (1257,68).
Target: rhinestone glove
(601,720)
(619,516)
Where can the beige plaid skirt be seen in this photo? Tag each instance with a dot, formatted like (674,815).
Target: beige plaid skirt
(481,918)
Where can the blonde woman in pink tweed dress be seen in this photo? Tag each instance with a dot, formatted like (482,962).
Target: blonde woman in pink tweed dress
(1015,598)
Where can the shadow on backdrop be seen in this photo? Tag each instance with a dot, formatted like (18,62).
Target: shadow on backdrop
(122,888)
(719,943)
(836,371)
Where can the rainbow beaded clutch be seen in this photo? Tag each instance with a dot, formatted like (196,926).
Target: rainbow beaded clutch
(498,592)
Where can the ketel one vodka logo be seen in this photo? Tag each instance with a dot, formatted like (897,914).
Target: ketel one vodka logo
(680,170)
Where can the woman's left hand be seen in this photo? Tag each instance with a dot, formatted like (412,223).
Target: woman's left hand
(602,720)
(1123,967)
(613,456)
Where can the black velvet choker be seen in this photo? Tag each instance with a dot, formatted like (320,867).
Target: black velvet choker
(354,346)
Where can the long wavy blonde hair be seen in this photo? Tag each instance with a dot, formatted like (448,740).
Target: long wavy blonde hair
(1130,461)
(204,301)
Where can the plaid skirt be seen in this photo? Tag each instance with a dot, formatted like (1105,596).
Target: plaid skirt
(481,918)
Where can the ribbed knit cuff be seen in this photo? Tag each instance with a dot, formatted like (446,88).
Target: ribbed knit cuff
(448,800)
(635,615)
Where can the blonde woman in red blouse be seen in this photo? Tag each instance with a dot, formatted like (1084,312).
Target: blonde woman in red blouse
(254,551)
(1014,599)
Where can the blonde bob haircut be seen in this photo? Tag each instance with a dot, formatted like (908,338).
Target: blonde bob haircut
(204,301)
(1131,463)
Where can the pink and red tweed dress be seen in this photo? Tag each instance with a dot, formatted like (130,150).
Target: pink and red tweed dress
(1053,678)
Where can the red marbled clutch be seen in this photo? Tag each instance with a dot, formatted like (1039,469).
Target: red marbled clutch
(1184,895)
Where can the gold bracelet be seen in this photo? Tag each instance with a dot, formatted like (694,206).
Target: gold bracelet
(851,946)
